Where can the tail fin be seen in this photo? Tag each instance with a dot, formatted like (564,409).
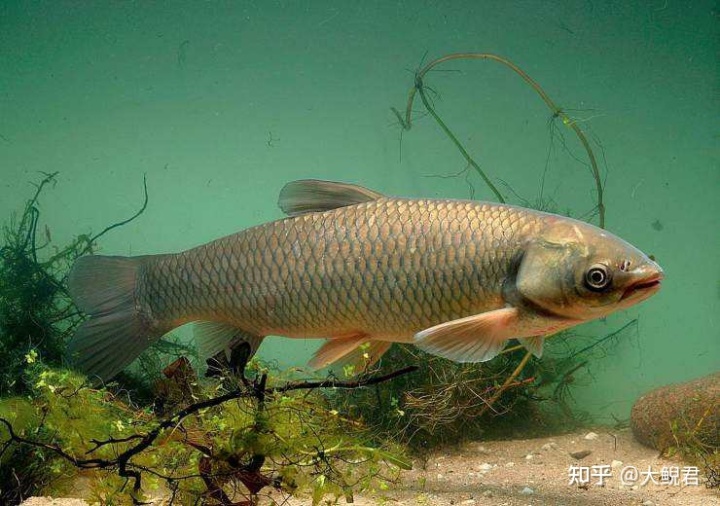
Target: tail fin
(104,287)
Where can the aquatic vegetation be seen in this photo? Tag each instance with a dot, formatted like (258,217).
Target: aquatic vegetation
(235,438)
(419,87)
(36,315)
(447,402)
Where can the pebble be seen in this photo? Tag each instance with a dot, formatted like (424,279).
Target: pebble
(529,456)
(482,449)
(487,493)
(510,464)
(468,501)
(581,454)
(648,503)
(527,491)
(616,463)
(591,436)
(549,446)
(485,467)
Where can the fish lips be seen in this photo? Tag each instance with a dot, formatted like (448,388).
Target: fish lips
(641,289)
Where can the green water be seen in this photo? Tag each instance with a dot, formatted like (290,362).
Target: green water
(221,103)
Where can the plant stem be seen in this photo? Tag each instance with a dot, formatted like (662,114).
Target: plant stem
(557,112)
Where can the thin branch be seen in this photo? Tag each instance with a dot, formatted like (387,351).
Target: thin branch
(508,382)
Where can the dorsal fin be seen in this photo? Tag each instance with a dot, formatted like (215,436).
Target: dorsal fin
(312,195)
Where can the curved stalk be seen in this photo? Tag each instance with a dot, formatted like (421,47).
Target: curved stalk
(557,112)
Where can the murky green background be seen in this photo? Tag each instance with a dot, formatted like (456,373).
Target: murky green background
(221,103)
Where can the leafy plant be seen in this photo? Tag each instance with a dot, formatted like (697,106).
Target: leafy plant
(232,441)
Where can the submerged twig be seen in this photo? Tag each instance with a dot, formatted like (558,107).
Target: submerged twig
(508,381)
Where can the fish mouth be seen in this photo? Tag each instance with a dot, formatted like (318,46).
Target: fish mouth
(644,287)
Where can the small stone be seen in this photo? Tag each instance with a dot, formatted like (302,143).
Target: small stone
(440,476)
(648,503)
(468,501)
(527,491)
(488,493)
(581,454)
(482,449)
(549,446)
(616,463)
(485,467)
(591,436)
(529,456)
(510,464)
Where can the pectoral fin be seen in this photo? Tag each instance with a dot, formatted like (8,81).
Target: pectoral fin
(476,338)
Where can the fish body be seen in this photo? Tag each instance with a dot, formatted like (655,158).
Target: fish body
(458,278)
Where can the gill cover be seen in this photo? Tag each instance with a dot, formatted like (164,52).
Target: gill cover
(547,273)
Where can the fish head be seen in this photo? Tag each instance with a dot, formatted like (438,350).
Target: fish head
(581,272)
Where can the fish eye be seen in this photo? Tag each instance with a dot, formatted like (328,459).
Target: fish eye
(597,278)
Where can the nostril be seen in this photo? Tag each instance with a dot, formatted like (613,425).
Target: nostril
(625,265)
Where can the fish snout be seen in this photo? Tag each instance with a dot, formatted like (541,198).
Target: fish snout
(645,282)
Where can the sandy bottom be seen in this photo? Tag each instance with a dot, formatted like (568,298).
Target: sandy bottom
(531,472)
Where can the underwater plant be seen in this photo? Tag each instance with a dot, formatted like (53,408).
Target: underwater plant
(36,316)
(420,88)
(236,437)
(448,402)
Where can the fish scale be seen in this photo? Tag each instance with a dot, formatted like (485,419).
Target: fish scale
(457,278)
(390,268)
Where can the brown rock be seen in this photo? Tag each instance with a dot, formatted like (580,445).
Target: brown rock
(684,414)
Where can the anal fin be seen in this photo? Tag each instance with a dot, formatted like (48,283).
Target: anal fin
(364,356)
(356,351)
(336,348)
(224,345)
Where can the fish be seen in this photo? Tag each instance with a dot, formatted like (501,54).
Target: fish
(455,278)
